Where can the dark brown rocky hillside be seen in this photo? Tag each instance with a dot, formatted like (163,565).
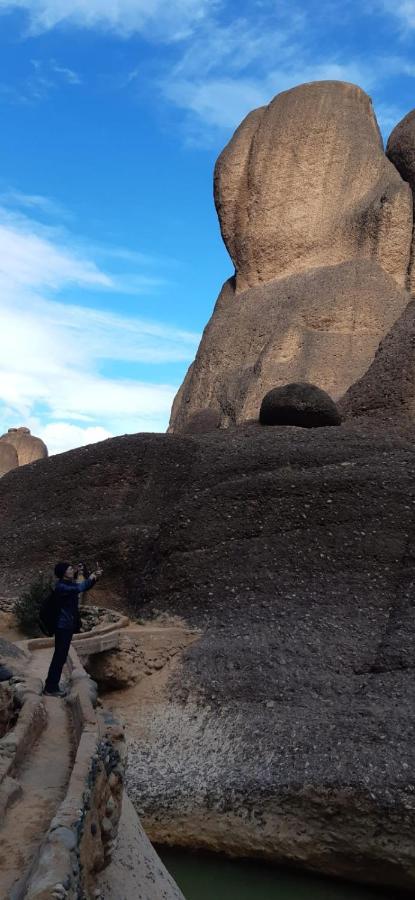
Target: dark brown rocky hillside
(290,728)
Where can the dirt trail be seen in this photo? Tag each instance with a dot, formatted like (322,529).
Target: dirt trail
(43,777)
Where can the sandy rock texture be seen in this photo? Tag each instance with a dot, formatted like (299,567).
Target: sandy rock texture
(8,458)
(136,872)
(386,392)
(28,447)
(144,652)
(304,182)
(318,222)
(287,729)
(401,151)
(323,327)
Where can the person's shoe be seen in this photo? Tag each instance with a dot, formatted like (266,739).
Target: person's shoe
(54,692)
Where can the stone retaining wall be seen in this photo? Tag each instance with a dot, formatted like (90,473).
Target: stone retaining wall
(81,837)
(26,695)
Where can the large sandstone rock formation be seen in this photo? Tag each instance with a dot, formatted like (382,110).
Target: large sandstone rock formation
(401,151)
(28,448)
(323,328)
(288,730)
(318,223)
(304,182)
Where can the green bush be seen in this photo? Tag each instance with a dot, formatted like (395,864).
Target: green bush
(26,608)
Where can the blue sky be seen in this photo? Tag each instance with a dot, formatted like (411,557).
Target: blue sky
(113,113)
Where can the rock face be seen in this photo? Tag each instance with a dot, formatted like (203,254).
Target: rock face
(8,458)
(386,392)
(288,729)
(323,328)
(401,151)
(304,405)
(28,448)
(318,223)
(304,182)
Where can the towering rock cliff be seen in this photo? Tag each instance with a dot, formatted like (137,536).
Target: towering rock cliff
(318,223)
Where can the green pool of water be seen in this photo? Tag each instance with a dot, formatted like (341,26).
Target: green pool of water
(216,878)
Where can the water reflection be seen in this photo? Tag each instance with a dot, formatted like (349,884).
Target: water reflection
(216,878)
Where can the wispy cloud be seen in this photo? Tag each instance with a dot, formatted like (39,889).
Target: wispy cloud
(35,203)
(402,10)
(223,102)
(171,19)
(41,80)
(59,361)
(67,74)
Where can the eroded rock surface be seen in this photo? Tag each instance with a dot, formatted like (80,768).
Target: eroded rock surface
(323,327)
(401,151)
(28,447)
(287,729)
(318,222)
(386,392)
(304,183)
(8,458)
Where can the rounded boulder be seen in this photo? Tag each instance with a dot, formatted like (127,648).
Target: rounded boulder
(301,404)
(28,447)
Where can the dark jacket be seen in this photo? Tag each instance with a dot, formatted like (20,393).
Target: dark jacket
(67,597)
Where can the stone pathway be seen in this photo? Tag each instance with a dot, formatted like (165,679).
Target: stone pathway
(43,777)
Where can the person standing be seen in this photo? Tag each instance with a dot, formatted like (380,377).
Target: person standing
(67,590)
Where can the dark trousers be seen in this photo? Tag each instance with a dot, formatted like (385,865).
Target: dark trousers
(63,637)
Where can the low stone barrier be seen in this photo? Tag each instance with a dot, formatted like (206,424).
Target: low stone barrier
(16,742)
(99,631)
(81,837)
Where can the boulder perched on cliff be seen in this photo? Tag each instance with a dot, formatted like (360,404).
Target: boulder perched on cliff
(318,223)
(304,405)
(8,458)
(28,447)
(304,182)
(323,327)
(401,151)
(287,730)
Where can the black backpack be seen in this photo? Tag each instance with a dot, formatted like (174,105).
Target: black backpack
(49,613)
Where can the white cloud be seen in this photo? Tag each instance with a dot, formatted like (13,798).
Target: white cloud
(223,102)
(403,10)
(60,436)
(172,19)
(58,365)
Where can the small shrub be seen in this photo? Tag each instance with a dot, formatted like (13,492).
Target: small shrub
(26,608)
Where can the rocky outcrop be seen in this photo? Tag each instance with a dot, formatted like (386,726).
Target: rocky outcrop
(28,448)
(401,151)
(386,392)
(8,458)
(302,405)
(304,183)
(287,729)
(318,223)
(323,327)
